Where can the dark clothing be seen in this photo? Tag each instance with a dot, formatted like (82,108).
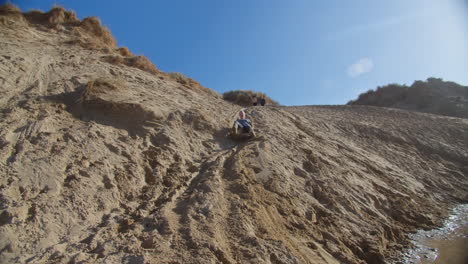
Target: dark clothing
(244,124)
(262,101)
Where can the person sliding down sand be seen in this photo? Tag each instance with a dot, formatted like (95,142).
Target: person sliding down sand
(243,126)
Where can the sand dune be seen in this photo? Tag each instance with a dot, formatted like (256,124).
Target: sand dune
(109,163)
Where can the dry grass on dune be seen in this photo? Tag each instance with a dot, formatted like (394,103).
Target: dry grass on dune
(54,17)
(189,82)
(89,32)
(93,26)
(245,97)
(142,63)
(9,10)
(58,15)
(182,79)
(139,62)
(86,44)
(114,59)
(35,16)
(101,85)
(434,96)
(124,51)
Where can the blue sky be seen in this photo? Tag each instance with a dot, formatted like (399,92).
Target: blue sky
(299,52)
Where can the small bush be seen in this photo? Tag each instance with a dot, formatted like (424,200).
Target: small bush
(245,97)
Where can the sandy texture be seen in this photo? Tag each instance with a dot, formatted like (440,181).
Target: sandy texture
(137,168)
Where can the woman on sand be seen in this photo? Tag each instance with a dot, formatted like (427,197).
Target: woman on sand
(243,125)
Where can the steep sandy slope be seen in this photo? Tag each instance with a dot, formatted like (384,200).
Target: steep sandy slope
(107,163)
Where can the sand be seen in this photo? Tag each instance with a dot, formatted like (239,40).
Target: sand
(141,170)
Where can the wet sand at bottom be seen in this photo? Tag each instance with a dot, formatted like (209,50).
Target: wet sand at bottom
(445,245)
(452,250)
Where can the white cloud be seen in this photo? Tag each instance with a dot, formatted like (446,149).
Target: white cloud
(360,67)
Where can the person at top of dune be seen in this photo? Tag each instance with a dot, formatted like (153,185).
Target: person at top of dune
(242,125)
(254,100)
(259,100)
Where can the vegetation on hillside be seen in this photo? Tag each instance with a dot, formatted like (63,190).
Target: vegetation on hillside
(189,82)
(182,79)
(245,97)
(90,34)
(101,85)
(432,96)
(139,62)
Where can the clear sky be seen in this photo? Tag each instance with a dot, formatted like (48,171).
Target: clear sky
(299,52)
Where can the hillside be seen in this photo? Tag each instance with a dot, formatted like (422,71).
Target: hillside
(113,161)
(431,96)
